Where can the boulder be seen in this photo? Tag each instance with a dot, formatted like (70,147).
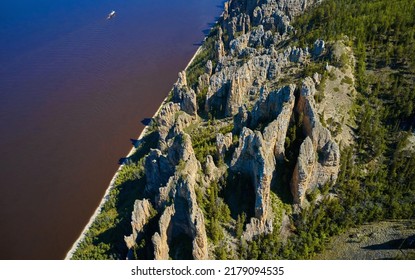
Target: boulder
(318,48)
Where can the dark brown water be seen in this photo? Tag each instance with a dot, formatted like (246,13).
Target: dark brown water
(73,90)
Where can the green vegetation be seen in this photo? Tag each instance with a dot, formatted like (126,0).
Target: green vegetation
(104,239)
(376,180)
(198,66)
(204,138)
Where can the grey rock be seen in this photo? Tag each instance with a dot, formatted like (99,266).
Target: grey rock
(330,154)
(184,96)
(256,226)
(184,215)
(237,45)
(211,169)
(258,153)
(183,120)
(251,158)
(209,68)
(161,247)
(303,171)
(223,143)
(158,170)
(181,150)
(270,105)
(298,55)
(241,119)
(317,78)
(268,39)
(273,70)
(308,87)
(141,214)
(165,120)
(309,172)
(255,39)
(257,16)
(318,48)
(248,53)
(294,7)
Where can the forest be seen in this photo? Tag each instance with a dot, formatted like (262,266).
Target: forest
(376,180)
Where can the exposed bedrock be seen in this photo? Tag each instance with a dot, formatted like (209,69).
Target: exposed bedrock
(161,247)
(319,158)
(184,96)
(248,79)
(142,213)
(176,115)
(258,152)
(182,219)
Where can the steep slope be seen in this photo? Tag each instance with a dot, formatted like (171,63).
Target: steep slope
(254,152)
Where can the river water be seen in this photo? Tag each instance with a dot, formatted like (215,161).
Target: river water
(73,90)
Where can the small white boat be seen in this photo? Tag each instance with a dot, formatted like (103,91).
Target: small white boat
(111,15)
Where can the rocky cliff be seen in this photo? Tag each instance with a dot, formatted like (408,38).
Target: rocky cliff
(233,121)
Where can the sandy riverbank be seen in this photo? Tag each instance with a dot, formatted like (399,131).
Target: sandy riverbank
(105,198)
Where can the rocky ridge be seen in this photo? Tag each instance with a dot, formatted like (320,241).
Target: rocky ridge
(243,84)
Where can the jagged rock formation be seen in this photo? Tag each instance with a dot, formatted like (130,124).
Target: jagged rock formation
(319,158)
(161,247)
(183,216)
(223,143)
(249,82)
(143,212)
(257,153)
(184,96)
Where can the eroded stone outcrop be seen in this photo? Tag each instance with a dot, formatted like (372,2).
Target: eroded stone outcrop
(161,247)
(223,143)
(142,213)
(251,85)
(319,158)
(258,153)
(183,216)
(184,96)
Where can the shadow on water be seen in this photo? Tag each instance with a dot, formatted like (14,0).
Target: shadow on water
(206,32)
(135,142)
(146,141)
(146,121)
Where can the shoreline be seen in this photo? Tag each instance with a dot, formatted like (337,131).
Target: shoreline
(105,198)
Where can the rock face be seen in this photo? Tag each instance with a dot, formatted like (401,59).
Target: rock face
(142,213)
(258,153)
(161,247)
(223,143)
(248,81)
(158,170)
(176,115)
(176,183)
(184,96)
(318,48)
(319,158)
(250,61)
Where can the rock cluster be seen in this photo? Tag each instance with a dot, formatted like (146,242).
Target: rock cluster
(319,157)
(258,152)
(142,213)
(171,181)
(245,87)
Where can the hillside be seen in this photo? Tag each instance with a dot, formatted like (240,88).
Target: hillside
(293,123)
